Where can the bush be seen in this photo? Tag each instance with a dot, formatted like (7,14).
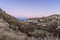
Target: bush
(6,37)
(13,27)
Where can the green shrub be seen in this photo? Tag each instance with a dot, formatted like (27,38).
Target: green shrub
(6,37)
(13,27)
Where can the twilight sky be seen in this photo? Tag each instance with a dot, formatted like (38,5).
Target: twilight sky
(30,8)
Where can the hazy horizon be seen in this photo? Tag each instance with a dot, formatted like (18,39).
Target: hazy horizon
(30,8)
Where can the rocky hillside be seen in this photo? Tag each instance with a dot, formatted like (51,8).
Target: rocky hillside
(13,29)
(44,28)
(48,25)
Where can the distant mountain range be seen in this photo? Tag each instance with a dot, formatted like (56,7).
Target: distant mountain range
(22,19)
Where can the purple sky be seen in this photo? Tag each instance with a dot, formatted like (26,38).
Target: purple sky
(30,8)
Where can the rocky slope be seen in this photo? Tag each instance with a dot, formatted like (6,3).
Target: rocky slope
(48,25)
(13,29)
(44,28)
(9,26)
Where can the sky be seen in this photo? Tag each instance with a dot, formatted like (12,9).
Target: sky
(30,8)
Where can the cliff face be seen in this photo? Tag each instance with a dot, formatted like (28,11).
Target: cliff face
(32,29)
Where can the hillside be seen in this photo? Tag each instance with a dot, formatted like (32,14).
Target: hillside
(13,29)
(48,25)
(44,28)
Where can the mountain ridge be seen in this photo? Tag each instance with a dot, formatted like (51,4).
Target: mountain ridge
(12,28)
